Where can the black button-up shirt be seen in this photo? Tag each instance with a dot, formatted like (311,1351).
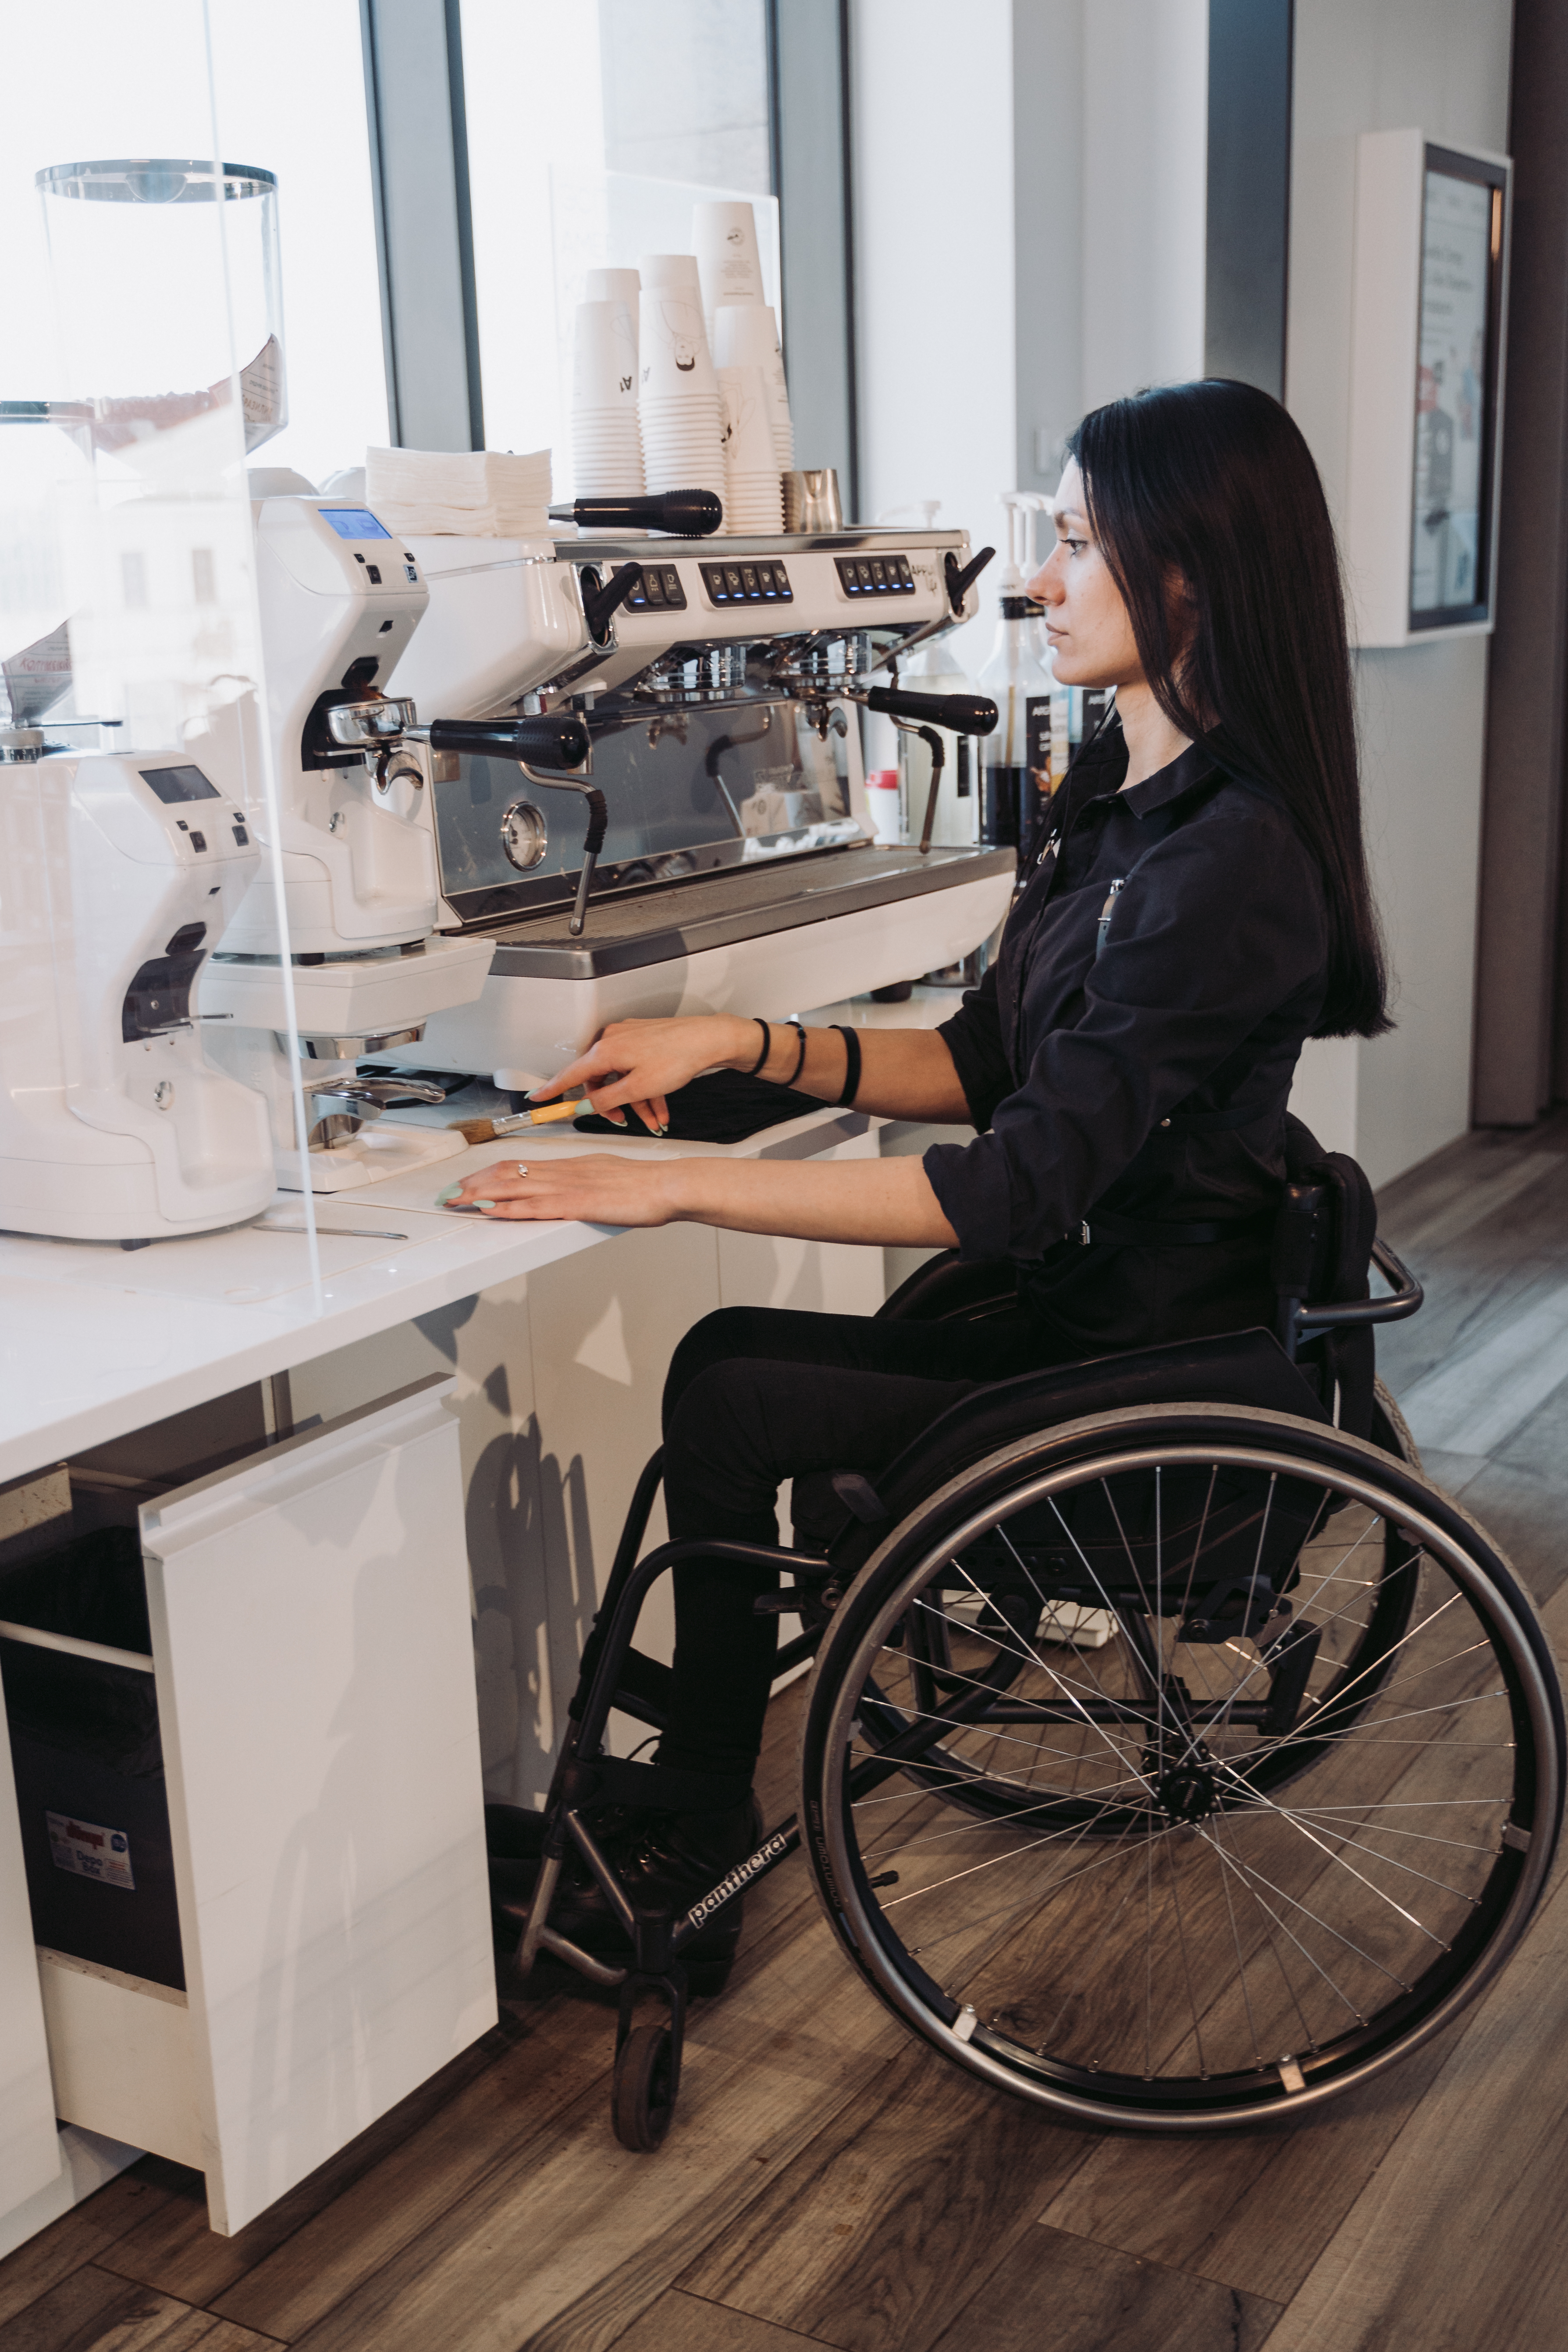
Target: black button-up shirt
(1211,973)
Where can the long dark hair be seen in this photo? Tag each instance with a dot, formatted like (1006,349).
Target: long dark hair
(1212,487)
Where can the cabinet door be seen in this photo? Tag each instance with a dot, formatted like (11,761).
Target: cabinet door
(310,1632)
(29,2144)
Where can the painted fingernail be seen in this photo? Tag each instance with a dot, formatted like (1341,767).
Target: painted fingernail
(481,1204)
(450,1193)
(663,1127)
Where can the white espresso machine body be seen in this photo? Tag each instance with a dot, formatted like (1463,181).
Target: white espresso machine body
(736,870)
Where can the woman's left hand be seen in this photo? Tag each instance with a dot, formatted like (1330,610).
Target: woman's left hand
(592,1188)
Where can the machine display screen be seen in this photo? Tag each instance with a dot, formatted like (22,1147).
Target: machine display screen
(353,523)
(173,785)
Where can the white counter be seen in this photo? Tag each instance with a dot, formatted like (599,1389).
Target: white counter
(96,1340)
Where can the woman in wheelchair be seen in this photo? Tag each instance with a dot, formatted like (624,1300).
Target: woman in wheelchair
(1193,906)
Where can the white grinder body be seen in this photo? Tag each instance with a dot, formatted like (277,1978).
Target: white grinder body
(117,877)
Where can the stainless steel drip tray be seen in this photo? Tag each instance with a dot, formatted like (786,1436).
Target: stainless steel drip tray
(681,919)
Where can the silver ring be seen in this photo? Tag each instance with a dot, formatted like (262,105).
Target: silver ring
(520,1169)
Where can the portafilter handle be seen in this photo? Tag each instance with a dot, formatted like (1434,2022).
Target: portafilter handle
(962,714)
(686,514)
(557,739)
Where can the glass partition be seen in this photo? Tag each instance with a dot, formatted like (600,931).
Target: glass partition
(137,793)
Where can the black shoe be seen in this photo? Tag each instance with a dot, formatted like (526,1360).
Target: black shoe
(667,1863)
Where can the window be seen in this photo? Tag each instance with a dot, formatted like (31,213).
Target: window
(644,106)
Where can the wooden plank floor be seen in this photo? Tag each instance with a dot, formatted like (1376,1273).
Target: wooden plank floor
(830,2182)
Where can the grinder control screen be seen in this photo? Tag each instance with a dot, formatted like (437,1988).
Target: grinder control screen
(173,785)
(353,523)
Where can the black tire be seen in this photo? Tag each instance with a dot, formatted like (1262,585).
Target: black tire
(1331,1892)
(641,2105)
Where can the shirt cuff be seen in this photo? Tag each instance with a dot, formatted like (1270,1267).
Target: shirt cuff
(983,1071)
(970,1181)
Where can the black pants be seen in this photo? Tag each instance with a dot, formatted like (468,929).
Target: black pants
(756,1395)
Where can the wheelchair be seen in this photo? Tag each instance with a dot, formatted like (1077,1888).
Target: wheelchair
(1176,1757)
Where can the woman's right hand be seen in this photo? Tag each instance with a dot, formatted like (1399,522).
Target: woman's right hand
(636,1065)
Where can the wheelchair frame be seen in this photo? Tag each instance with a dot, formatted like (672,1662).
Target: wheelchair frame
(614,1676)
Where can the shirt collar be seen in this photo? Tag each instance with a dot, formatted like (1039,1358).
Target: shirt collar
(1194,766)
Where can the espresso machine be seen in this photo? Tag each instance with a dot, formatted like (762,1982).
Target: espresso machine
(340,598)
(696,695)
(118,872)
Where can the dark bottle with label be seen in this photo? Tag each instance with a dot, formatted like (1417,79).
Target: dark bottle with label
(1015,758)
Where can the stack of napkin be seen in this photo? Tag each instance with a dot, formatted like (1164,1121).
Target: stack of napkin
(472,494)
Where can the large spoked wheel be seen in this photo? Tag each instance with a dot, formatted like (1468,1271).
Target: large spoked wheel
(1361,1624)
(1234,1873)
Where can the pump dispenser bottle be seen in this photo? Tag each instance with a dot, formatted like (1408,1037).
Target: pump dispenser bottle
(1016,770)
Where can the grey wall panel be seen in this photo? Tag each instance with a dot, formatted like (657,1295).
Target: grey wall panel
(414,58)
(1249,236)
(810,48)
(1518,1067)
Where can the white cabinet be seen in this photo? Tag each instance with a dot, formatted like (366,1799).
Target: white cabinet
(314,1674)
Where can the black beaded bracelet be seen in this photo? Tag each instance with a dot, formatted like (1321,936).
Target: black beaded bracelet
(767,1045)
(851,1065)
(800,1057)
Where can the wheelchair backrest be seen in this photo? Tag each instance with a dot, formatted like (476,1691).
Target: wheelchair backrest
(1323,1251)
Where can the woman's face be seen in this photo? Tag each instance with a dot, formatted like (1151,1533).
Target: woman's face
(1090,635)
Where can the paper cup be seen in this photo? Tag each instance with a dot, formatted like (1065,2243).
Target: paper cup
(748,438)
(670,270)
(605,357)
(729,263)
(613,285)
(673,342)
(746,335)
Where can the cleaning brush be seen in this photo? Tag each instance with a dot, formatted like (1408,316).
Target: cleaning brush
(491,1131)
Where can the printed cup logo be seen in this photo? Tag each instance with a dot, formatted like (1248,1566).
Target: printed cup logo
(626,383)
(733,236)
(685,357)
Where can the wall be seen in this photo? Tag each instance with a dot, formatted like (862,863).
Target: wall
(1381,65)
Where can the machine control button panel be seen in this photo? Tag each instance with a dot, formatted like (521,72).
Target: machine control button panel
(747,584)
(660,590)
(874,576)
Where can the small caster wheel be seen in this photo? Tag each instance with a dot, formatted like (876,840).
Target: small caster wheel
(643,2102)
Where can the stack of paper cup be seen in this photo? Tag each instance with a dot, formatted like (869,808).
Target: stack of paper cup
(679,403)
(613,286)
(731,268)
(745,335)
(607,448)
(753,498)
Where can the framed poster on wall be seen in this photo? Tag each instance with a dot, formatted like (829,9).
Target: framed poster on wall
(1427,382)
(1456,368)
